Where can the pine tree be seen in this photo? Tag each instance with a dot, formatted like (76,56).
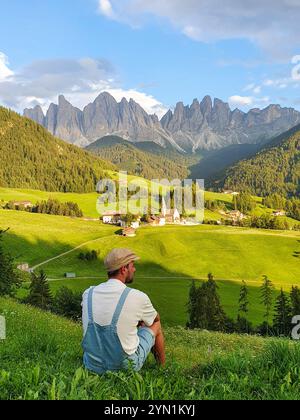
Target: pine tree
(243,300)
(243,324)
(215,313)
(40,294)
(192,307)
(282,319)
(67,303)
(267,300)
(204,307)
(9,279)
(295,300)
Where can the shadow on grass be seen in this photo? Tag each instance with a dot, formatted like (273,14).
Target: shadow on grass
(168,288)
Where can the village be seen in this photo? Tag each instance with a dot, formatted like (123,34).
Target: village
(130,223)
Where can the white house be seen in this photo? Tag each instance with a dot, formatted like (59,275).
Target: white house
(278,213)
(112,218)
(135,225)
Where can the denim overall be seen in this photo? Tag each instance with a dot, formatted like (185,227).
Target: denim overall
(102,347)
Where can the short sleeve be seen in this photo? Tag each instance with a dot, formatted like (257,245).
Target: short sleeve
(149,313)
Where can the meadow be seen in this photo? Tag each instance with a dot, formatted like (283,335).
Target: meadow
(170,258)
(41,359)
(88,202)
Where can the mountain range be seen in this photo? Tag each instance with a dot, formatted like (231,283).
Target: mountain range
(205,125)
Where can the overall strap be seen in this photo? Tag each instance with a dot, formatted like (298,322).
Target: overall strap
(120,306)
(90,305)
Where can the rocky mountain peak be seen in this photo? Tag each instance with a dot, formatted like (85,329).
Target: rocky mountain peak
(202,125)
(206,105)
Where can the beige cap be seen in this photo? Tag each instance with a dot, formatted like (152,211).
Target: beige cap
(119,257)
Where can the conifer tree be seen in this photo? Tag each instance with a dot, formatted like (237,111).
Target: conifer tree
(243,324)
(295,301)
(215,313)
(9,279)
(67,303)
(192,307)
(282,318)
(266,291)
(243,300)
(40,294)
(204,307)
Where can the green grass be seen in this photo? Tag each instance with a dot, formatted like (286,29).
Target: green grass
(34,238)
(170,257)
(41,359)
(87,202)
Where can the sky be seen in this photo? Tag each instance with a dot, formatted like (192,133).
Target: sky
(157,52)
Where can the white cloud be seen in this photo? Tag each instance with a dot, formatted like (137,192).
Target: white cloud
(148,102)
(105,8)
(269,82)
(271,24)
(296,69)
(248,101)
(5,72)
(253,88)
(237,101)
(80,81)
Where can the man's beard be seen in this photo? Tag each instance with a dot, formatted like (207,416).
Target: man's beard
(129,279)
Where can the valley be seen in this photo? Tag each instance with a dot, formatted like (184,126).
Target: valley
(171,257)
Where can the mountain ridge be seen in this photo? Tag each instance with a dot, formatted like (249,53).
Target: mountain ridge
(274,169)
(32,158)
(205,125)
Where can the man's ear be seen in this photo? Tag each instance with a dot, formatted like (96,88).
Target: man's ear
(122,270)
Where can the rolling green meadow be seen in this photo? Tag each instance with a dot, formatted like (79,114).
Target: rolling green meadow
(171,257)
(41,359)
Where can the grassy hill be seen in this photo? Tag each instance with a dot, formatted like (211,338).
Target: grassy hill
(275,169)
(32,158)
(41,359)
(87,202)
(171,257)
(150,163)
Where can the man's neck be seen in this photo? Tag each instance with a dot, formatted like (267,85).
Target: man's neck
(118,279)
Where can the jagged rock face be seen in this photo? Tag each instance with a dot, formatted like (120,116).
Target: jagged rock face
(69,123)
(206,125)
(213,125)
(35,114)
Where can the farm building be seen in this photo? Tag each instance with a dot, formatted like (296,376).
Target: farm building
(278,213)
(24,267)
(236,216)
(25,204)
(129,232)
(156,220)
(113,218)
(70,275)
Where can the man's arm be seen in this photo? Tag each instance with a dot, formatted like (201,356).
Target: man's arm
(159,346)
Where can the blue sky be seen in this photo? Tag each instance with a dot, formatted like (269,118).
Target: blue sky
(157,52)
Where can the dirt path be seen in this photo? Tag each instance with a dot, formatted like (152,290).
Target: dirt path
(70,251)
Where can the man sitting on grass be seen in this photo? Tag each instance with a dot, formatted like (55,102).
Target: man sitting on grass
(120,325)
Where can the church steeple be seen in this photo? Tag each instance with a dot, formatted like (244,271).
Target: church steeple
(163,207)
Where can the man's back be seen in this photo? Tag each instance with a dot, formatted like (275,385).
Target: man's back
(137,308)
